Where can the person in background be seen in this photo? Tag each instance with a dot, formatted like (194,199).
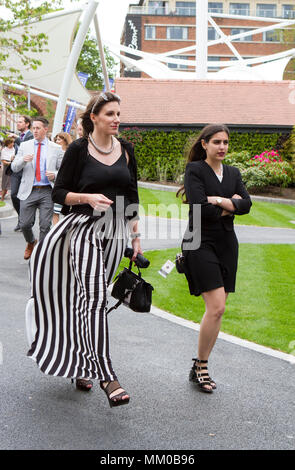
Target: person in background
(7,155)
(38,159)
(23,126)
(63,139)
(79,129)
(211,268)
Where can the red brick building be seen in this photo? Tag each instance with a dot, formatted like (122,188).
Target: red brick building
(161,26)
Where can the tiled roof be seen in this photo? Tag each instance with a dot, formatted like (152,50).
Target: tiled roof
(150,101)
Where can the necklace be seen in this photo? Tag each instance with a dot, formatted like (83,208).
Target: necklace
(105,152)
(219,172)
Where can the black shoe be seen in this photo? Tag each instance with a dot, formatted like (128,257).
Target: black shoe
(17,228)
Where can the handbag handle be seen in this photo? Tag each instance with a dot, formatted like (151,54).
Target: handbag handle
(130,268)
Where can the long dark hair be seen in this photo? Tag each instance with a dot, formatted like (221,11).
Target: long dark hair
(196,152)
(94,106)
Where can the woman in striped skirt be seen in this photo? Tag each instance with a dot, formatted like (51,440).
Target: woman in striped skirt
(70,270)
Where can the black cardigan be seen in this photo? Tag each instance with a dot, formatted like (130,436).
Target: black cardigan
(71,167)
(201,181)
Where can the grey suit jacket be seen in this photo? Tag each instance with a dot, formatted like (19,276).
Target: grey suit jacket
(28,136)
(53,161)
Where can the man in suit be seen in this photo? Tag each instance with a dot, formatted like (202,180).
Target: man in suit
(23,126)
(40,160)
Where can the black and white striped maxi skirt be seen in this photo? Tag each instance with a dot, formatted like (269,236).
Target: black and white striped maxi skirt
(66,315)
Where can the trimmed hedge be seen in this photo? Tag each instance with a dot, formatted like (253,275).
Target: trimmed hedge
(161,155)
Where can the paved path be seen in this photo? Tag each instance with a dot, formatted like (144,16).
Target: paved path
(161,233)
(253,407)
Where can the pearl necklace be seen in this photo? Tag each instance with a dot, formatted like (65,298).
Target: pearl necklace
(105,152)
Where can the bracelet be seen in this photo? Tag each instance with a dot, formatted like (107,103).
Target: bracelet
(135,235)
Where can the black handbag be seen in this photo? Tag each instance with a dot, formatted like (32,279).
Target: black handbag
(132,290)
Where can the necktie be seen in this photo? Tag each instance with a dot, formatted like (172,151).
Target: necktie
(38,172)
(22,136)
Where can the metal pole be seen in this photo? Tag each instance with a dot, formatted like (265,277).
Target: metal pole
(201,38)
(29,98)
(71,66)
(101,52)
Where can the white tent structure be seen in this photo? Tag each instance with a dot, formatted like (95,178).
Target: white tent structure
(270,67)
(56,77)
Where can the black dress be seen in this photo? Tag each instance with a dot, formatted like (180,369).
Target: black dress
(71,268)
(214,263)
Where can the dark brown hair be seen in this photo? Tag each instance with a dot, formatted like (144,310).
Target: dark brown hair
(41,119)
(27,120)
(8,141)
(94,106)
(196,151)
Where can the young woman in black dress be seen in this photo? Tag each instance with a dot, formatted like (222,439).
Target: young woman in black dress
(211,269)
(71,269)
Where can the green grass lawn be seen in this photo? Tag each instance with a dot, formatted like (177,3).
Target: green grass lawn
(261,310)
(2,203)
(263,214)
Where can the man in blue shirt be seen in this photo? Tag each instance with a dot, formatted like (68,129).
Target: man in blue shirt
(40,160)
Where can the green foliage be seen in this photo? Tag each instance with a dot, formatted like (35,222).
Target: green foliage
(161,156)
(262,170)
(89,62)
(254,177)
(22,13)
(288,149)
(252,142)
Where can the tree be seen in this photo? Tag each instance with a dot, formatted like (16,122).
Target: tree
(89,62)
(22,13)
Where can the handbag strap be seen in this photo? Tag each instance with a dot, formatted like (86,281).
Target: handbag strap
(130,268)
(114,306)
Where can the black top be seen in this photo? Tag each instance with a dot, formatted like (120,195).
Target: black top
(201,182)
(82,173)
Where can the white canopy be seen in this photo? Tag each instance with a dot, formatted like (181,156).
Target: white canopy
(59,28)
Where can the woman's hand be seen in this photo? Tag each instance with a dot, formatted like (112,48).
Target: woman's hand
(212,200)
(236,196)
(99,202)
(136,247)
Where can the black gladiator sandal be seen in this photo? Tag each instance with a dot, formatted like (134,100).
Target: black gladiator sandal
(115,400)
(83,384)
(201,378)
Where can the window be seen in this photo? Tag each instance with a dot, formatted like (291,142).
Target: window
(239,8)
(267,10)
(234,31)
(157,8)
(177,32)
(289,11)
(213,67)
(212,34)
(185,8)
(178,66)
(272,36)
(215,7)
(150,32)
